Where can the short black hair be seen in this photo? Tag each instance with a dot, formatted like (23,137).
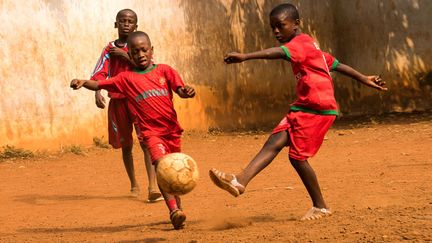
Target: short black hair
(136,34)
(127,10)
(286,8)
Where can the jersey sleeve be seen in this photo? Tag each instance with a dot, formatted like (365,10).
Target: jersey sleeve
(331,61)
(101,70)
(115,84)
(173,78)
(293,51)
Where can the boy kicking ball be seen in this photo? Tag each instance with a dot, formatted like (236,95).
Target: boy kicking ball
(149,90)
(310,116)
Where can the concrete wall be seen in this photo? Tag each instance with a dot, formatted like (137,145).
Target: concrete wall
(52,42)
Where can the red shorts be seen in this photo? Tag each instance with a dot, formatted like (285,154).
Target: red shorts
(158,146)
(306,132)
(120,123)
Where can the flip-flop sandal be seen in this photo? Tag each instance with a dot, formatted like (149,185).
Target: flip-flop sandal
(177,218)
(154,197)
(220,179)
(316,213)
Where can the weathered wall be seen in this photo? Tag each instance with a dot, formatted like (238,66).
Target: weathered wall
(389,37)
(49,42)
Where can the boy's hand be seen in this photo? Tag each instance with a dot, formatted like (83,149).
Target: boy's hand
(189,91)
(100,100)
(375,82)
(77,83)
(186,92)
(115,51)
(234,57)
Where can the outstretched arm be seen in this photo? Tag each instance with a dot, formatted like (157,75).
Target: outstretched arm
(373,81)
(271,53)
(88,84)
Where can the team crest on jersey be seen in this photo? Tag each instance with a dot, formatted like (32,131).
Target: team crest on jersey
(162,81)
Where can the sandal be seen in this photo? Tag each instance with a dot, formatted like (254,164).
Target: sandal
(316,213)
(227,182)
(154,197)
(177,218)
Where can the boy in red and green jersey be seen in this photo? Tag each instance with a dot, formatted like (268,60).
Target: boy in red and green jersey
(149,90)
(310,115)
(114,60)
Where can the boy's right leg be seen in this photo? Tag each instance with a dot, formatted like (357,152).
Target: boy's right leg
(153,192)
(129,166)
(235,184)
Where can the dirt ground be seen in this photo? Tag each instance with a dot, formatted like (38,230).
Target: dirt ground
(376,175)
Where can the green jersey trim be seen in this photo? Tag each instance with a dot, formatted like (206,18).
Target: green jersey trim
(335,64)
(145,71)
(287,53)
(317,112)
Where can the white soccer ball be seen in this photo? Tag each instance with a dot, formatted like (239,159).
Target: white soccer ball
(177,173)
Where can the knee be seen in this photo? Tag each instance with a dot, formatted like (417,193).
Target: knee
(274,145)
(127,149)
(295,163)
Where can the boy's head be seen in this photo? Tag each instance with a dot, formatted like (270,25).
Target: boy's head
(284,21)
(126,22)
(140,49)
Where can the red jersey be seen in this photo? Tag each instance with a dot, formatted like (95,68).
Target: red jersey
(150,96)
(311,68)
(108,67)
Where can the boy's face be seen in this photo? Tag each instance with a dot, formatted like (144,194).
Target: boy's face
(126,23)
(284,28)
(141,51)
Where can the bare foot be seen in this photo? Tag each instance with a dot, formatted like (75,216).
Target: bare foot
(227,182)
(316,213)
(135,191)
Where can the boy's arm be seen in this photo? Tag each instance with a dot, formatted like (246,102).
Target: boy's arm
(373,81)
(115,51)
(88,84)
(271,53)
(101,72)
(111,85)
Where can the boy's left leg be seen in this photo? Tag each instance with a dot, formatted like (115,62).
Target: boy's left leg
(177,216)
(309,179)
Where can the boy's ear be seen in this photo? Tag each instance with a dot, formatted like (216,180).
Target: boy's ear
(136,27)
(297,21)
(115,25)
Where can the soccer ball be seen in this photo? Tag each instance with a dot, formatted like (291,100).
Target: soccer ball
(177,173)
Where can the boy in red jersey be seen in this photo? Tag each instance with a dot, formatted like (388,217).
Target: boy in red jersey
(310,116)
(149,90)
(114,60)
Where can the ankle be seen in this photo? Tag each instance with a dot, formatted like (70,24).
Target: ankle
(241,180)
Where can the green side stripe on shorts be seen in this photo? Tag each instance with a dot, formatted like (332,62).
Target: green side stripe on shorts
(145,71)
(335,64)
(316,112)
(287,53)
